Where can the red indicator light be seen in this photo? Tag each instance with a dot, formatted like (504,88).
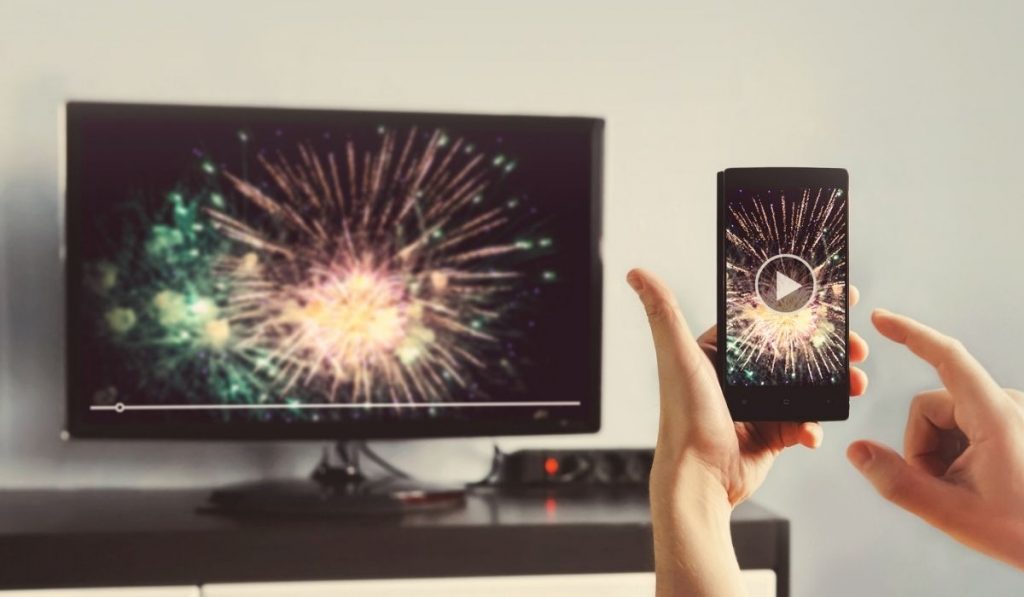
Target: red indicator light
(551,466)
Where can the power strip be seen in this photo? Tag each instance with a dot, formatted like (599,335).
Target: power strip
(576,467)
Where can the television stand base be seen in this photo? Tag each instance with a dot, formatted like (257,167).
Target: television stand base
(306,498)
(335,490)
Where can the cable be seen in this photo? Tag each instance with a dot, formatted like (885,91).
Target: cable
(491,478)
(382,463)
(493,475)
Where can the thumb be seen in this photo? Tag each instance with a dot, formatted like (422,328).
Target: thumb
(681,362)
(910,488)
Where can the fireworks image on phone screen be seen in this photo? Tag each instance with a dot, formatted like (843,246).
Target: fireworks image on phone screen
(786,294)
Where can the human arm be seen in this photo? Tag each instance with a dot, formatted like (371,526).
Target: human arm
(705,463)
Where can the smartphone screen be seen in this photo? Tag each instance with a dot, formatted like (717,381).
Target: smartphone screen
(784,293)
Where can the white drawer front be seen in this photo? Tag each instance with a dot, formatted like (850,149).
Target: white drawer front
(111,592)
(760,583)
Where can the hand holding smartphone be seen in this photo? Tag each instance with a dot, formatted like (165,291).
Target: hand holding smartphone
(775,323)
(783,293)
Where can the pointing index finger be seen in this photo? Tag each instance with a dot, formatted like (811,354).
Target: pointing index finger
(968,382)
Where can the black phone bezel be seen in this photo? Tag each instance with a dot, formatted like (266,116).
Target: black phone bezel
(781,403)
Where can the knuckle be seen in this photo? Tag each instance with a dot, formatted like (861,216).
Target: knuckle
(953,346)
(889,491)
(953,352)
(893,488)
(917,403)
(659,310)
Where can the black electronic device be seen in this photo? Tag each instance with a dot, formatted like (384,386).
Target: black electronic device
(574,468)
(273,274)
(268,273)
(783,300)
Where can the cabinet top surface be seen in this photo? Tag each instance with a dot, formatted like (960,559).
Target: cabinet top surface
(127,511)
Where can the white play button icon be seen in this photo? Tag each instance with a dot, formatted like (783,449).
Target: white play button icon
(785,286)
(785,283)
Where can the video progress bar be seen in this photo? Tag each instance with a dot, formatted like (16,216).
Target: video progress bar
(121,407)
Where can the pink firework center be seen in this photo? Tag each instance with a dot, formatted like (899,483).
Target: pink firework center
(354,325)
(388,289)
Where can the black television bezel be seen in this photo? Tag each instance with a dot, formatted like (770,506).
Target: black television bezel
(790,402)
(77,424)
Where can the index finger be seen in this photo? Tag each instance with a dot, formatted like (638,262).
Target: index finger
(968,382)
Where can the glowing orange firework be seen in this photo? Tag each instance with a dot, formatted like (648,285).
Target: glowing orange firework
(369,276)
(807,345)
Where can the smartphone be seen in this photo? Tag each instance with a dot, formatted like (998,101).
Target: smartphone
(783,293)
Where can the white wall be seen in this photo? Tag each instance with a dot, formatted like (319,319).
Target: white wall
(921,101)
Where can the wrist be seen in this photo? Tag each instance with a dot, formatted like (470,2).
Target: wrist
(690,507)
(693,548)
(689,488)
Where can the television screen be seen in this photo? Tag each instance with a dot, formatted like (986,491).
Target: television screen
(279,273)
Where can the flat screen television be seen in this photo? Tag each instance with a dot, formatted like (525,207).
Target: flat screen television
(266,273)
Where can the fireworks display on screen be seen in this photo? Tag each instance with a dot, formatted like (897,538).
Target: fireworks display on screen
(383,272)
(804,345)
